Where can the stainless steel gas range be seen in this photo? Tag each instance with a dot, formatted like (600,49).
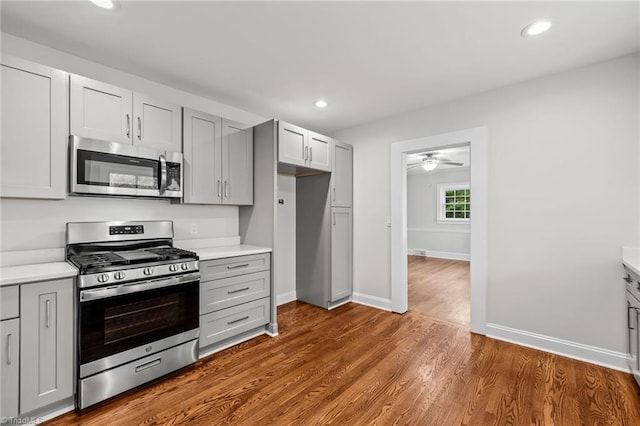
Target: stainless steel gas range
(137,306)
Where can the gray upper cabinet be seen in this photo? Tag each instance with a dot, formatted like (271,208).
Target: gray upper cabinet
(34,130)
(341,253)
(301,147)
(202,149)
(237,163)
(46,343)
(157,123)
(342,176)
(218,158)
(293,144)
(102,111)
(319,157)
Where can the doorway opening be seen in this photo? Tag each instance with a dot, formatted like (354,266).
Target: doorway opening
(476,138)
(438,218)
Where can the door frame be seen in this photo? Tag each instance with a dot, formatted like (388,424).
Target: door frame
(477,140)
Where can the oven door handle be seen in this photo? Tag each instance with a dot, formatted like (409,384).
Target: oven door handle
(136,287)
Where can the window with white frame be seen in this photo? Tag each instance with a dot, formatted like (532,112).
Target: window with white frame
(454,203)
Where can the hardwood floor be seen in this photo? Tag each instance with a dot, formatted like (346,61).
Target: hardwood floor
(357,365)
(440,288)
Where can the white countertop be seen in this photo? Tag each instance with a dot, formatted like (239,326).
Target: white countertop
(36,272)
(210,253)
(53,270)
(631,258)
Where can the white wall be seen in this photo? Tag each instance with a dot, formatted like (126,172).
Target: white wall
(563,189)
(424,232)
(285,261)
(40,224)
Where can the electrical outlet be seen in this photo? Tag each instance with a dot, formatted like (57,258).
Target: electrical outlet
(194,228)
(389,221)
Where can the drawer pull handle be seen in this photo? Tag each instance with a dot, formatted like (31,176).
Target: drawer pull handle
(48,313)
(244,265)
(148,365)
(238,320)
(628,279)
(9,349)
(238,290)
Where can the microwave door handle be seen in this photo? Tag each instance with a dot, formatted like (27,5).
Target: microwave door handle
(163,174)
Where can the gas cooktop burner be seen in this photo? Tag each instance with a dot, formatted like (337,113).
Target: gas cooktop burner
(169,253)
(124,252)
(102,260)
(95,260)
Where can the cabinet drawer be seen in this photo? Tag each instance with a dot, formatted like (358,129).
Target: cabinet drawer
(229,322)
(9,302)
(233,266)
(227,292)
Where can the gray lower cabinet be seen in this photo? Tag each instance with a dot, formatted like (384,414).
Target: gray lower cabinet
(235,297)
(10,350)
(46,343)
(341,253)
(10,373)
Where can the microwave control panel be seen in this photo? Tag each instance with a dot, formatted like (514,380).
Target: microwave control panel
(173,176)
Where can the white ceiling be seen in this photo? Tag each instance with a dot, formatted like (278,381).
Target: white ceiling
(367,59)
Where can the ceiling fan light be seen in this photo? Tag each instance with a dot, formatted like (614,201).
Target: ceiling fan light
(429,166)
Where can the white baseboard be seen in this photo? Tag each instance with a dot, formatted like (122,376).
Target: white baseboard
(283,298)
(373,301)
(439,254)
(591,354)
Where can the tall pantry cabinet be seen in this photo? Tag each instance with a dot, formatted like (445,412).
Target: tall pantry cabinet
(322,168)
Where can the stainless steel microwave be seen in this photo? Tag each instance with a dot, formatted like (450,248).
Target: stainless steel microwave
(110,168)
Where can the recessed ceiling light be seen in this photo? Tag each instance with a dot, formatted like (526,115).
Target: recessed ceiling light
(105,4)
(535,28)
(321,104)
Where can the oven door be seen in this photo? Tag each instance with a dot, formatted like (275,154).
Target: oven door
(109,168)
(118,324)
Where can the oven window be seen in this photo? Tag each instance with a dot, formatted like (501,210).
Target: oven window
(138,318)
(116,324)
(97,168)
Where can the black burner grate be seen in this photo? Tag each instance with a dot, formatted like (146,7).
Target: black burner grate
(171,253)
(94,260)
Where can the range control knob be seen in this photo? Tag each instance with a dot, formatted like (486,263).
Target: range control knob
(119,275)
(184,266)
(173,267)
(103,278)
(147,271)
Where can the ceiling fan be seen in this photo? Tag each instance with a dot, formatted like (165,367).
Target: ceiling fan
(430,161)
